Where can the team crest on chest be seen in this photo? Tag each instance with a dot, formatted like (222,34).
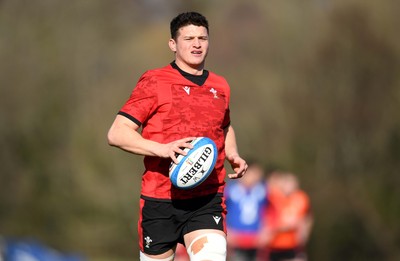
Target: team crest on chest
(214,91)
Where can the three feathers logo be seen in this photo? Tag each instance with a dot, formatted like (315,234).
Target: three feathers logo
(148,241)
(213,91)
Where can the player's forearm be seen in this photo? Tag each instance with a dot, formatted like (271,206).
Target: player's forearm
(231,149)
(130,140)
(239,165)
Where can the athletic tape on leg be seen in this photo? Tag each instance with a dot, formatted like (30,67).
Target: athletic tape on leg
(210,246)
(143,257)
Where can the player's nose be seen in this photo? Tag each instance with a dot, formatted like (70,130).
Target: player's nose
(196,42)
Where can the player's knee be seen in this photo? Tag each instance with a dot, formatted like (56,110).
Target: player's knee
(211,246)
(144,257)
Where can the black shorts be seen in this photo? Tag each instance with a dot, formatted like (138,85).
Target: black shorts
(162,224)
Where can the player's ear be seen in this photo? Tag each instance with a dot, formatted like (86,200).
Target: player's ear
(172,45)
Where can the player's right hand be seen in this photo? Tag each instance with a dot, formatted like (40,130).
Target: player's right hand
(173,149)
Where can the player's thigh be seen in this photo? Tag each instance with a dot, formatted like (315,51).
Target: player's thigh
(206,244)
(194,234)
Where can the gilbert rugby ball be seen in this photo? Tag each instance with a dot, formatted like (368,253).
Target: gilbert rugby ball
(196,166)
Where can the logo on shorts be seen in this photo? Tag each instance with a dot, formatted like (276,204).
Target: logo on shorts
(148,241)
(216,219)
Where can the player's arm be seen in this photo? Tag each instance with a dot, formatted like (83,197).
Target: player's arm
(124,135)
(238,164)
(305,229)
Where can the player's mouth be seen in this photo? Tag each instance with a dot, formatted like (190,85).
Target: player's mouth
(197,52)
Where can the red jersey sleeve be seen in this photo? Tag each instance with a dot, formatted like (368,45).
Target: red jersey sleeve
(143,100)
(227,118)
(302,201)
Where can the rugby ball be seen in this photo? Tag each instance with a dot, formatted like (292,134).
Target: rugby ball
(196,166)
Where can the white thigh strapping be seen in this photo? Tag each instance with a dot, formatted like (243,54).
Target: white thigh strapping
(209,246)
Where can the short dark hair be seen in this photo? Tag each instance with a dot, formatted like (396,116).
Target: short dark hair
(187,18)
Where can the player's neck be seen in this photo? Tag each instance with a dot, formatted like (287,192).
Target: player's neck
(197,70)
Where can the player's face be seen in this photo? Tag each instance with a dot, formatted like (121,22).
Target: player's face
(190,47)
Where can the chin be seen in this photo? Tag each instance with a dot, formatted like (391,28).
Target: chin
(196,64)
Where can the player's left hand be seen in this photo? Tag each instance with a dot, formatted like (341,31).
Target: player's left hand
(239,166)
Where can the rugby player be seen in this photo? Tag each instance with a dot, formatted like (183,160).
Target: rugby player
(174,105)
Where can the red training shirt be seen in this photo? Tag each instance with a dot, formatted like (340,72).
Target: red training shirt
(169,107)
(290,209)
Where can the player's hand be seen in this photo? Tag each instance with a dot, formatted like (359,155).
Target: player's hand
(172,149)
(239,166)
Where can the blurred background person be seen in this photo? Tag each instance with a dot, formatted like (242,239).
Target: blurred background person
(245,202)
(288,218)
